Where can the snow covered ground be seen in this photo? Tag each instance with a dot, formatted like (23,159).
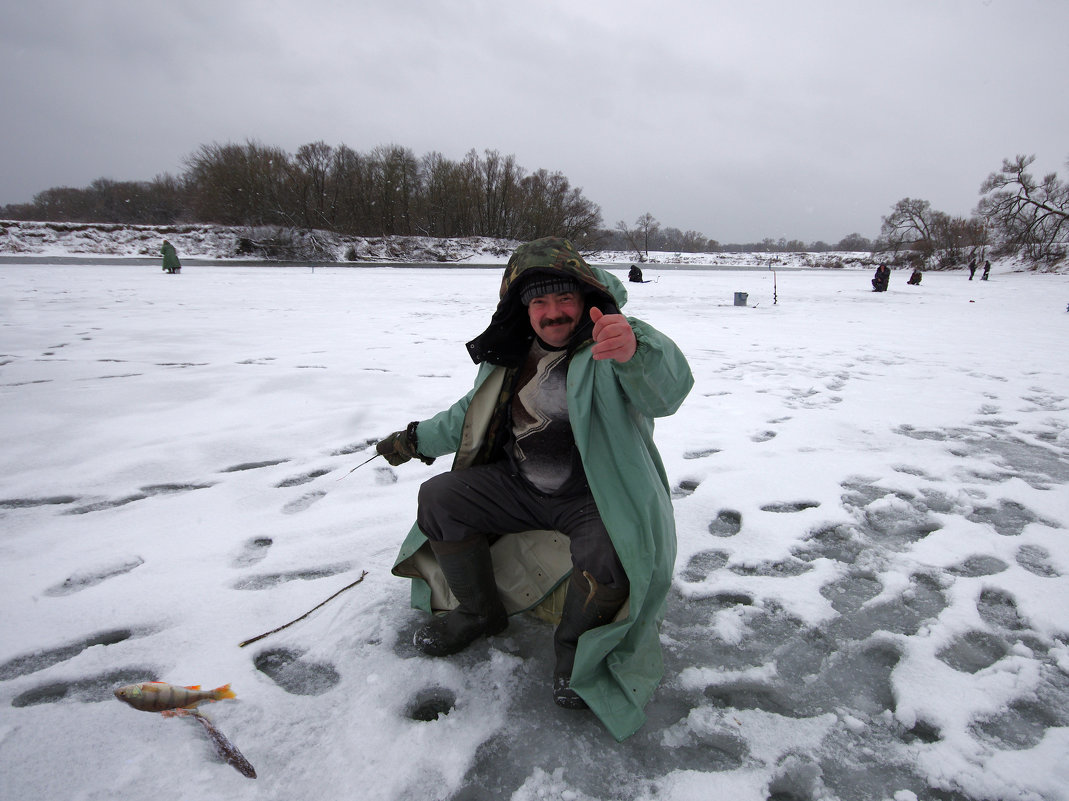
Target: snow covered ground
(871,491)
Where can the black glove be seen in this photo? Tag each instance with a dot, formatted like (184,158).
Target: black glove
(401,446)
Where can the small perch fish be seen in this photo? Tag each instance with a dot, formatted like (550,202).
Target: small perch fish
(158,696)
(170,700)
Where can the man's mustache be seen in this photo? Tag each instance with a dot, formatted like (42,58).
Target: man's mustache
(564,319)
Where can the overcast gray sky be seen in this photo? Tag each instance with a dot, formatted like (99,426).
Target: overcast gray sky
(804,119)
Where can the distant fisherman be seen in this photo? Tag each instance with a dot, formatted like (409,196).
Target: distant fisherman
(171,264)
(159,696)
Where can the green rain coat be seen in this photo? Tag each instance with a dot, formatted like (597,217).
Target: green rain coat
(170,258)
(611,407)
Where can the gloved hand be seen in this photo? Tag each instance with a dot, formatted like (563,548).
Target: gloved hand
(402,446)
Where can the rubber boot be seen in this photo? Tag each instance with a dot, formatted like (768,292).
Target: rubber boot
(587,605)
(469,572)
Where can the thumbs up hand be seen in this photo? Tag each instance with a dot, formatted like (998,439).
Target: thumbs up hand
(613,337)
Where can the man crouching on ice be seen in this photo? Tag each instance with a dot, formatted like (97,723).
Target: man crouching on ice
(557,475)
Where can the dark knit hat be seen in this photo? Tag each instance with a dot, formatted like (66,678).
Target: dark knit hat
(538,285)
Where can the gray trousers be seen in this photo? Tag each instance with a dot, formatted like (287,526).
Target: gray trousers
(490,500)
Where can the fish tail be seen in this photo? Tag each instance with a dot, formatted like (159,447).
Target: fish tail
(220,693)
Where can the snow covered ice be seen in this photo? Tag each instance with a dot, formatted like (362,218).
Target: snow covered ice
(871,499)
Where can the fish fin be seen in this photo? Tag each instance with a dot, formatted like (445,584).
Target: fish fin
(175,713)
(223,692)
(192,686)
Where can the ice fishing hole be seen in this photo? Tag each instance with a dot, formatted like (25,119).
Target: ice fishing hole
(430,704)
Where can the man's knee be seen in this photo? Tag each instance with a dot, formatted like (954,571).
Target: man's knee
(433,490)
(598,557)
(431,499)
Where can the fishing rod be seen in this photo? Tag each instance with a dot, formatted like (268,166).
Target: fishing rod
(373,458)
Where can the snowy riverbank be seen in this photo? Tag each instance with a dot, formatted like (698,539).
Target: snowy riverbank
(215,242)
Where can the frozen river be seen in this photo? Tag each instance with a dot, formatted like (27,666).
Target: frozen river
(871,495)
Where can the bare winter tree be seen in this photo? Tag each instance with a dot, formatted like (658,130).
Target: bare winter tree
(314,193)
(909,226)
(1027,214)
(240,184)
(351,179)
(388,191)
(631,237)
(394,188)
(647,227)
(448,207)
(852,242)
(930,235)
(552,207)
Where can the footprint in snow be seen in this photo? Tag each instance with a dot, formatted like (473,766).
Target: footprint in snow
(385,476)
(87,690)
(268,580)
(240,468)
(849,593)
(702,565)
(145,492)
(978,565)
(685,487)
(999,609)
(728,523)
(973,651)
(1023,724)
(1036,559)
(255,551)
(29,503)
(839,543)
(701,454)
(26,664)
(304,478)
(302,503)
(790,506)
(1008,519)
(83,580)
(293,674)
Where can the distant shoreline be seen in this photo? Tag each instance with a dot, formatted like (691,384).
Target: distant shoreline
(142,261)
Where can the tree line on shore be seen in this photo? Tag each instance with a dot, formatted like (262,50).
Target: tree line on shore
(389,191)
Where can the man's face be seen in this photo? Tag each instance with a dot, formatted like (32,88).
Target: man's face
(554,317)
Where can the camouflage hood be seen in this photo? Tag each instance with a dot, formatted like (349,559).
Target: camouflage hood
(508,338)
